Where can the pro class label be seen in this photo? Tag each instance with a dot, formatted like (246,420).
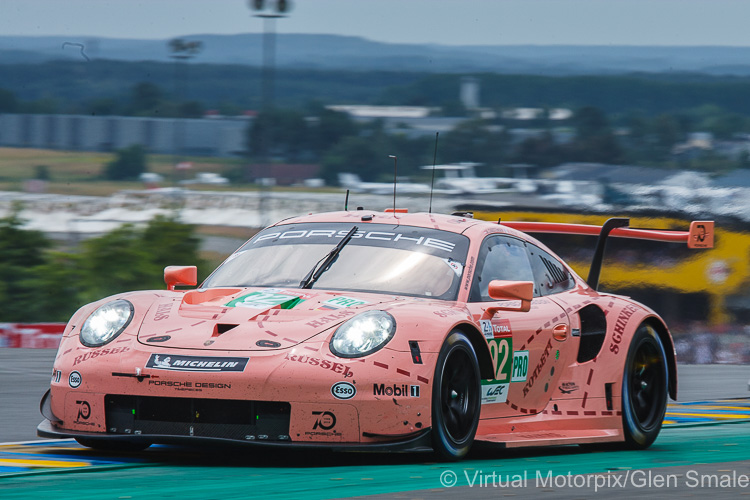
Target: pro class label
(181,363)
(520,366)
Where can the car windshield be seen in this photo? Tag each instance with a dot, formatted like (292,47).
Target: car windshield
(380,258)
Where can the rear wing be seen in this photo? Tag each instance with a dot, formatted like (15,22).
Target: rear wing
(700,235)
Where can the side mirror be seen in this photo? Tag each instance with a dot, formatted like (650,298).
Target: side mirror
(180,275)
(510,290)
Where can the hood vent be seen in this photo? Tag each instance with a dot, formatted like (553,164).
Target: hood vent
(223,328)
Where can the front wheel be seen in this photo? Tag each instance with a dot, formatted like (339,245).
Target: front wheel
(455,398)
(644,389)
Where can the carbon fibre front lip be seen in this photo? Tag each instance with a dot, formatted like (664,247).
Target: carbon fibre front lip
(417,442)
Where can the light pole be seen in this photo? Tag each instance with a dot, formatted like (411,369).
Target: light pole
(181,51)
(269,11)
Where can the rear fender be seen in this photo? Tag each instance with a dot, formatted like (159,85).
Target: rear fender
(623,320)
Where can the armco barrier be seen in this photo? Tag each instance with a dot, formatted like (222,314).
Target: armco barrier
(31,335)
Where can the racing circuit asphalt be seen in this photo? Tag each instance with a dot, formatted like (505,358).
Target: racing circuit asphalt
(716,455)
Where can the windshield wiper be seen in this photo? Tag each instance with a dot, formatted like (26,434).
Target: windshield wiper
(325,263)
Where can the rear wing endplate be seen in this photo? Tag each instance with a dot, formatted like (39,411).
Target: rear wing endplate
(700,235)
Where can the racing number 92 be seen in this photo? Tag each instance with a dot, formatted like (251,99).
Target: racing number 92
(500,350)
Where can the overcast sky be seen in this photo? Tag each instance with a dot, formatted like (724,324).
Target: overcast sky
(450,22)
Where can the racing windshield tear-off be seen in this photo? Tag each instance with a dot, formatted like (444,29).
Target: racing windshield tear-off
(379,258)
(318,269)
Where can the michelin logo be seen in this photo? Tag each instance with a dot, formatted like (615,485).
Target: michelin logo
(196,363)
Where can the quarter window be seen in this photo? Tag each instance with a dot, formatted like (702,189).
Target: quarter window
(551,276)
(500,258)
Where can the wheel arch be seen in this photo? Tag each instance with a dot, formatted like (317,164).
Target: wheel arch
(666,339)
(478,342)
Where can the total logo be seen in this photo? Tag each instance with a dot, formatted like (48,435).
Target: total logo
(398,391)
(498,328)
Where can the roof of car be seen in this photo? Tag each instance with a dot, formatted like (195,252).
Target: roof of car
(453,223)
(461,224)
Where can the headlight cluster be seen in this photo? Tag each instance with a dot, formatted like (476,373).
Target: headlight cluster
(106,323)
(363,334)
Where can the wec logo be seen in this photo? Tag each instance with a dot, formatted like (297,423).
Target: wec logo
(497,391)
(493,393)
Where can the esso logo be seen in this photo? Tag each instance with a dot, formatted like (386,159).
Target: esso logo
(343,390)
(75,379)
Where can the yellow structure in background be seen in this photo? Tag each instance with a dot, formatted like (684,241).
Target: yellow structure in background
(718,272)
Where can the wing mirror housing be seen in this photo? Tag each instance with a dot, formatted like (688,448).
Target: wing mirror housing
(515,291)
(180,275)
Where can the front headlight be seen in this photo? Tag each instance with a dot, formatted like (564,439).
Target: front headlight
(363,334)
(106,323)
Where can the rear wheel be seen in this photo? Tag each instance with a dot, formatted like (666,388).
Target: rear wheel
(644,389)
(103,444)
(455,398)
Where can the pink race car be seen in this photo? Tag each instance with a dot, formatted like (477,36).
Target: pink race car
(369,330)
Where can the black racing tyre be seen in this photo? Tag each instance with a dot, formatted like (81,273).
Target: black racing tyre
(644,389)
(456,398)
(115,445)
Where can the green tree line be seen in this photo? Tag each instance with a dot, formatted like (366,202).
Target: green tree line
(39,283)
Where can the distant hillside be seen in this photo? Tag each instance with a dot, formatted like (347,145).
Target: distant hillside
(329,52)
(77,86)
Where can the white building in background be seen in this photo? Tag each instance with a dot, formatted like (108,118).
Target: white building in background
(469,93)
(215,137)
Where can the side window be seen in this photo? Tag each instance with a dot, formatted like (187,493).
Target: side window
(500,258)
(551,276)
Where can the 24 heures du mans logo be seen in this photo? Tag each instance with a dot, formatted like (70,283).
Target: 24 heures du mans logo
(177,362)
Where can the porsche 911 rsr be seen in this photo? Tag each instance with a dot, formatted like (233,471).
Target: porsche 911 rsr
(370,330)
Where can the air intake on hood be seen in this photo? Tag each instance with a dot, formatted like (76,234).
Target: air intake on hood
(222,328)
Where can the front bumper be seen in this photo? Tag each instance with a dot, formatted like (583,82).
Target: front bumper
(283,397)
(419,442)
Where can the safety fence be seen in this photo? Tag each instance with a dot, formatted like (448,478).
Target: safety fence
(31,335)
